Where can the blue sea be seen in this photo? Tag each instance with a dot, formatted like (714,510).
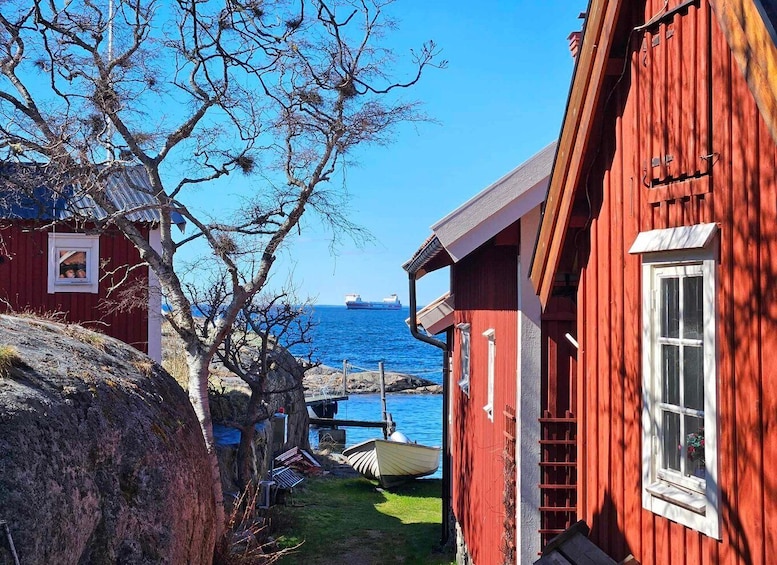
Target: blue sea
(364,338)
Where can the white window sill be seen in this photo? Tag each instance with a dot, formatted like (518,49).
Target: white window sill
(689,500)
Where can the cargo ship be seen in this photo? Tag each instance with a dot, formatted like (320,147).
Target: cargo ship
(355,302)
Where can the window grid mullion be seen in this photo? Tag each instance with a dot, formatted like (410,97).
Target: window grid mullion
(681,370)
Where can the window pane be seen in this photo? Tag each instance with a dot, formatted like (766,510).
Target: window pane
(670,307)
(465,356)
(694,446)
(671,447)
(72,264)
(692,307)
(670,374)
(693,377)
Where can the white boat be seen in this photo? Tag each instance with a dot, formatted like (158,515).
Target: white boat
(393,461)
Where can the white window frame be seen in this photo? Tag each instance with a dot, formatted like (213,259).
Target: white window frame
(685,500)
(490,334)
(464,356)
(77,242)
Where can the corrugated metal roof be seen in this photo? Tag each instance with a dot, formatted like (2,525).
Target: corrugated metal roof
(128,188)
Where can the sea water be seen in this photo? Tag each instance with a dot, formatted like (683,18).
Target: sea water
(364,338)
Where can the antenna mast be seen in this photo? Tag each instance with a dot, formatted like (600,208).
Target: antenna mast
(108,124)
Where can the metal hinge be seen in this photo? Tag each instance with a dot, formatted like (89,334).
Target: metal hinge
(656,161)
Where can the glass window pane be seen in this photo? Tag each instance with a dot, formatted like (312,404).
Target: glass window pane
(72,264)
(693,377)
(692,307)
(694,446)
(465,356)
(670,307)
(670,374)
(671,441)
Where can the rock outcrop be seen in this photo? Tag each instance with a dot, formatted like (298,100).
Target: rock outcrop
(323,380)
(101,456)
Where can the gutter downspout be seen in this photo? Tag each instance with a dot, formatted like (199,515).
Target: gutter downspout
(446,459)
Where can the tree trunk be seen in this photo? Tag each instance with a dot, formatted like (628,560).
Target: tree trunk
(198,395)
(245,452)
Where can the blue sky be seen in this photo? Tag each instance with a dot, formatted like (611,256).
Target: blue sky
(500,100)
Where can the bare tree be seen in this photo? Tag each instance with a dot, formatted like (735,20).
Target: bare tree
(258,350)
(281,90)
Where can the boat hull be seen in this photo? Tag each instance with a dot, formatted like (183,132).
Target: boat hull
(392,462)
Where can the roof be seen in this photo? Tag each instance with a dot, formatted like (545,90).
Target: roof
(436,316)
(485,215)
(429,257)
(749,27)
(25,195)
(497,206)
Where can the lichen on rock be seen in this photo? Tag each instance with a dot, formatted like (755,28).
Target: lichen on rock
(101,455)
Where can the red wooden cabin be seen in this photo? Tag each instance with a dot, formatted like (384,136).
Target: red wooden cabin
(662,209)
(511,425)
(53,261)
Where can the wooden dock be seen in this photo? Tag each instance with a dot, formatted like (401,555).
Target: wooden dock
(323,399)
(335,422)
(388,425)
(324,406)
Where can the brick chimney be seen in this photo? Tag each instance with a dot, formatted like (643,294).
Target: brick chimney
(574,42)
(576,37)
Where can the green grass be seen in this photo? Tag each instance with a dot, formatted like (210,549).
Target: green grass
(351,521)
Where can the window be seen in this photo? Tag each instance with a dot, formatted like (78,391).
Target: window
(73,262)
(679,380)
(464,330)
(489,407)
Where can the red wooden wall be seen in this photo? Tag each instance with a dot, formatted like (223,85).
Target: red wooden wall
(682,96)
(23,284)
(485,289)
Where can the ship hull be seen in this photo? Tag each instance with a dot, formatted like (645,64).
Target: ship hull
(371,306)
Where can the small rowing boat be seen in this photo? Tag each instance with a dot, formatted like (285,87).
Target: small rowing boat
(393,461)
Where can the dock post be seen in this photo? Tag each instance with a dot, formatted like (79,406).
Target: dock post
(383,399)
(345,377)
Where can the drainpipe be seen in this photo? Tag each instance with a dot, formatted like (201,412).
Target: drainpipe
(446,459)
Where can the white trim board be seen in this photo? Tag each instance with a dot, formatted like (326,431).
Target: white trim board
(697,236)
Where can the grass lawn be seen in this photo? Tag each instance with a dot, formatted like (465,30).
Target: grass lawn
(349,520)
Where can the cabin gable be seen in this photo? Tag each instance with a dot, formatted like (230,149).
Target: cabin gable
(682,144)
(25,276)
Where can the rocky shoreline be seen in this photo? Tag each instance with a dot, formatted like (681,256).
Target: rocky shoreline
(322,380)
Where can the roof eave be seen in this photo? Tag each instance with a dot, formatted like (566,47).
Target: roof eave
(497,206)
(575,135)
(429,257)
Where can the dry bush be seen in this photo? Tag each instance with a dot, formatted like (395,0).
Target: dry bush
(144,366)
(85,335)
(9,358)
(174,356)
(174,363)
(31,313)
(247,540)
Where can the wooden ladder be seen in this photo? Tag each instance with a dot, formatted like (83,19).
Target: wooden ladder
(558,474)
